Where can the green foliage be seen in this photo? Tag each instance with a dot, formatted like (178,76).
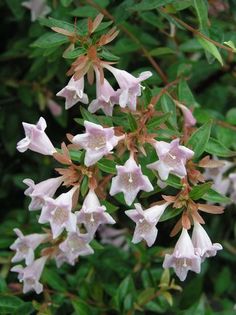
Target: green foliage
(128,279)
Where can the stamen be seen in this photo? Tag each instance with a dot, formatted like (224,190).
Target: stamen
(185,263)
(172,156)
(91,218)
(130,178)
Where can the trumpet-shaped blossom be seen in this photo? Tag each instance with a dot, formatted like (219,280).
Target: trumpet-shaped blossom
(172,158)
(38,8)
(97,141)
(75,245)
(221,183)
(36,139)
(107,97)
(92,214)
(62,257)
(25,246)
(54,107)
(58,213)
(232,178)
(130,86)
(146,221)
(73,92)
(202,244)
(189,119)
(130,180)
(31,274)
(115,237)
(38,192)
(183,258)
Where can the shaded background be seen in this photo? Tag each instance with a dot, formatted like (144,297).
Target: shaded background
(112,281)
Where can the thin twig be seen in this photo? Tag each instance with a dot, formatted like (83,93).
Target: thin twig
(134,38)
(196,32)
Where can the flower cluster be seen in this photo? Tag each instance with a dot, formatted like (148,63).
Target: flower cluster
(189,254)
(71,227)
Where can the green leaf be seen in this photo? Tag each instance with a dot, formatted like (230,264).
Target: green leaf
(107,55)
(16,8)
(162,51)
(85,11)
(84,186)
(201,8)
(223,281)
(199,139)
(49,40)
(215,147)
(185,94)
(80,307)
(110,208)
(26,309)
(96,245)
(145,5)
(191,292)
(198,191)
(72,54)
(132,122)
(102,26)
(173,181)
(3,285)
(54,280)
(165,278)
(170,213)
(88,116)
(76,155)
(9,304)
(107,166)
(126,286)
(51,22)
(168,106)
(156,121)
(231,45)
(181,5)
(145,296)
(231,116)
(211,48)
(66,3)
(216,197)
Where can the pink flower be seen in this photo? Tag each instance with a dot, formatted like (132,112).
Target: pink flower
(183,258)
(58,213)
(232,178)
(130,86)
(221,183)
(202,244)
(172,159)
(62,257)
(107,97)
(97,141)
(115,237)
(130,180)
(38,8)
(40,191)
(189,119)
(92,214)
(31,274)
(25,246)
(75,245)
(36,139)
(73,92)
(146,221)
(54,107)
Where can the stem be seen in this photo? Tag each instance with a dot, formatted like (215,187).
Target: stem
(196,32)
(134,38)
